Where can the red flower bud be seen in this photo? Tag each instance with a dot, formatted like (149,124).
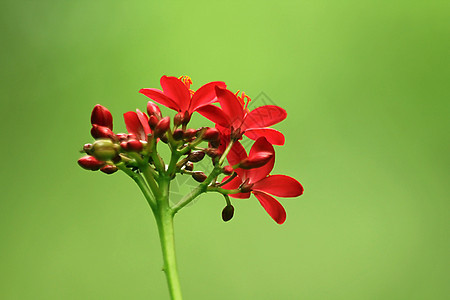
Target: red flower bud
(178,119)
(99,132)
(211,152)
(227,213)
(90,163)
(162,126)
(134,145)
(124,146)
(153,110)
(152,122)
(196,156)
(101,116)
(190,133)
(122,137)
(228,170)
(109,169)
(178,134)
(186,117)
(199,176)
(255,161)
(211,134)
(189,166)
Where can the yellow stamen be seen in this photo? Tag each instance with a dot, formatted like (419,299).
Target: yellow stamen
(242,100)
(187,82)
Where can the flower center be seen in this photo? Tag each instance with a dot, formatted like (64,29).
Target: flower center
(244,100)
(187,82)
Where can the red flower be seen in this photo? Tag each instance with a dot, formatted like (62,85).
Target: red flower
(137,124)
(235,117)
(259,182)
(177,95)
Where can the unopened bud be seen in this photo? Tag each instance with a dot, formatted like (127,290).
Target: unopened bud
(153,110)
(189,166)
(214,144)
(190,133)
(178,134)
(186,117)
(101,116)
(211,134)
(199,176)
(211,152)
(87,148)
(109,169)
(104,149)
(228,170)
(178,119)
(256,161)
(122,137)
(162,126)
(196,156)
(152,122)
(99,132)
(90,163)
(134,145)
(228,213)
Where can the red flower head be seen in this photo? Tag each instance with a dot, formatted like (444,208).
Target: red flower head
(177,95)
(259,182)
(236,119)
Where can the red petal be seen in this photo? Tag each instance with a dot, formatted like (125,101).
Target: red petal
(273,136)
(175,89)
(236,154)
(134,125)
(205,95)
(264,116)
(261,145)
(272,206)
(240,195)
(279,185)
(101,116)
(215,114)
(144,122)
(159,97)
(230,105)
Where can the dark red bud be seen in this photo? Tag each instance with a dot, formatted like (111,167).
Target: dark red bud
(90,163)
(196,156)
(99,132)
(190,133)
(122,137)
(109,169)
(256,161)
(101,116)
(153,110)
(124,146)
(228,170)
(189,166)
(162,126)
(152,122)
(211,152)
(178,119)
(178,134)
(211,134)
(228,213)
(132,136)
(186,117)
(134,145)
(199,176)
(214,144)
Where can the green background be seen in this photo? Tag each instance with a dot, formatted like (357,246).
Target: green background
(366,88)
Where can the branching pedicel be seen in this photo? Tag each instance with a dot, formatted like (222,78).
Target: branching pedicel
(136,153)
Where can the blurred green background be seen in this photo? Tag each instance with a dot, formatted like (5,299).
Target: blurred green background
(366,87)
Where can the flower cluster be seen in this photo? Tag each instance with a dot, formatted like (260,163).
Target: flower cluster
(135,152)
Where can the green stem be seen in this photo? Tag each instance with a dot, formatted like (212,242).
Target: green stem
(164,220)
